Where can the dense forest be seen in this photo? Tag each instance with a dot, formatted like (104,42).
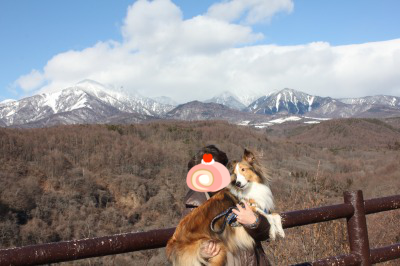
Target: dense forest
(72,182)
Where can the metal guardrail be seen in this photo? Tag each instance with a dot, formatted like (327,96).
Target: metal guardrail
(353,209)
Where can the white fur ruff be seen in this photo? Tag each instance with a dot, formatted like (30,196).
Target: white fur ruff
(262,195)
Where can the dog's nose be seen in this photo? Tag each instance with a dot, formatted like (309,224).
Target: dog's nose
(238,184)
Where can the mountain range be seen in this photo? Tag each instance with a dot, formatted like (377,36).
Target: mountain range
(90,102)
(86,102)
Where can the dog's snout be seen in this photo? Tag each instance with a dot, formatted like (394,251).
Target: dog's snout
(238,184)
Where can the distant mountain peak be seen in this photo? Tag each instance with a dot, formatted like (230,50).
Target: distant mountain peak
(89,82)
(284,90)
(7,101)
(226,94)
(228,99)
(165,100)
(287,100)
(288,91)
(392,101)
(94,88)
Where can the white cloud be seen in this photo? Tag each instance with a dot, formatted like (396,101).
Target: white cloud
(158,27)
(30,81)
(163,54)
(249,11)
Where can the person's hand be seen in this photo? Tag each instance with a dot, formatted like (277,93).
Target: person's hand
(209,249)
(245,215)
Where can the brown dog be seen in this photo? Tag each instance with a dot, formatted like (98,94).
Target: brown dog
(249,184)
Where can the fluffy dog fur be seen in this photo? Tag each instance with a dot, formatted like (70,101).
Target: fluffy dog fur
(248,183)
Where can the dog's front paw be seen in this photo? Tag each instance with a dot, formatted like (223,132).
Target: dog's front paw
(275,221)
(278,225)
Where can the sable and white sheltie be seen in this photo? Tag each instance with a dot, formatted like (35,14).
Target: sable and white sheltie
(247,183)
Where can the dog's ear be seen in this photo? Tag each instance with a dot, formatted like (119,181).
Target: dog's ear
(248,156)
(231,166)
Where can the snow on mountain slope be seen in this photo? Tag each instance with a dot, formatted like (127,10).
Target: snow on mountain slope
(287,101)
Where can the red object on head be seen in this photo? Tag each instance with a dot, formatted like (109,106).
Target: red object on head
(207,157)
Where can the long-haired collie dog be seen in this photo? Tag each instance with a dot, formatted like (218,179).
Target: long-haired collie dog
(247,184)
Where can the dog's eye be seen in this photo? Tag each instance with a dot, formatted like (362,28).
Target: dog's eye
(242,169)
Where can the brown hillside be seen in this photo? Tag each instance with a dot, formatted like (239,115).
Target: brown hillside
(394,122)
(348,133)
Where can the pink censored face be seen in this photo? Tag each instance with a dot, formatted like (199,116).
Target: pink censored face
(208,177)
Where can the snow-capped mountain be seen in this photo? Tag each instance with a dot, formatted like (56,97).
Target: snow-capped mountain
(245,95)
(86,102)
(374,100)
(371,106)
(228,99)
(165,100)
(289,101)
(123,100)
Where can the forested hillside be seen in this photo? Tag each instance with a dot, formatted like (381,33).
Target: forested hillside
(72,182)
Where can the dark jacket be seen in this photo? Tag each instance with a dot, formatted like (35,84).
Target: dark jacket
(256,257)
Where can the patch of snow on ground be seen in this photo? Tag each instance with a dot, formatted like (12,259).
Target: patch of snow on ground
(282,120)
(262,125)
(244,123)
(312,122)
(316,118)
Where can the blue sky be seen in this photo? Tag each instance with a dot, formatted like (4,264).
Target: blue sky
(33,32)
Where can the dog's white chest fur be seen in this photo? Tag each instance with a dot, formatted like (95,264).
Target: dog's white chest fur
(260,193)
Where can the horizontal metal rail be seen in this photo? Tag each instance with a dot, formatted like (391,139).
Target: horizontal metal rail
(316,215)
(349,259)
(122,243)
(382,204)
(85,248)
(377,255)
(385,253)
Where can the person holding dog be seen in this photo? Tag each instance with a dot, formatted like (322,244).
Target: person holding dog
(257,226)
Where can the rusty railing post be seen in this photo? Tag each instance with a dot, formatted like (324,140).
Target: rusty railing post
(357,227)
